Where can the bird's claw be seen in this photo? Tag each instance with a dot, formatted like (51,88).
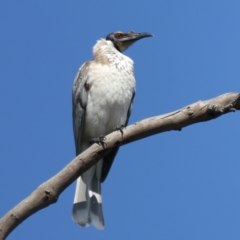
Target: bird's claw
(120,128)
(99,140)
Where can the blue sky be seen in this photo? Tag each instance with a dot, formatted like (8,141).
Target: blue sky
(176,185)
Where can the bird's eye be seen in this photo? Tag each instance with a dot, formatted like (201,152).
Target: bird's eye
(118,35)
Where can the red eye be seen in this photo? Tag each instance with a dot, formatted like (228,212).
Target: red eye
(118,35)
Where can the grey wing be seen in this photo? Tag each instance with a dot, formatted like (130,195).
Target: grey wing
(108,160)
(79,103)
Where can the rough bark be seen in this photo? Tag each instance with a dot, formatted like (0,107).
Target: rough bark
(48,192)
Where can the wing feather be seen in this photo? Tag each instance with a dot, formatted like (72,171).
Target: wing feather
(79,103)
(108,160)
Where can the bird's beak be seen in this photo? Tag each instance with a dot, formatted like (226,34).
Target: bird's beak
(134,36)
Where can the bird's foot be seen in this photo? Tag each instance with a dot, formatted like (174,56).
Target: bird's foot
(120,128)
(99,140)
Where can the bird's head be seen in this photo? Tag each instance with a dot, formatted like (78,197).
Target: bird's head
(122,40)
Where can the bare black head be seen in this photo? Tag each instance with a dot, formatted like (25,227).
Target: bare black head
(122,40)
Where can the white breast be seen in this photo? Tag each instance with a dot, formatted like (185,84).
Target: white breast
(109,98)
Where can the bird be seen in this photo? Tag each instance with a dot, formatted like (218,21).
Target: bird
(102,98)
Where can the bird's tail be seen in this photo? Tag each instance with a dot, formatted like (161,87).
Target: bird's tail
(87,206)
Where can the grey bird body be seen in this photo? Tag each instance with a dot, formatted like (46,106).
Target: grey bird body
(103,92)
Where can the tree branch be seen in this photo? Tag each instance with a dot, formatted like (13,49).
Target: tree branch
(48,192)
